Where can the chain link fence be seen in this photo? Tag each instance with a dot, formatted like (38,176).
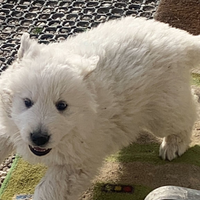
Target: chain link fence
(54,20)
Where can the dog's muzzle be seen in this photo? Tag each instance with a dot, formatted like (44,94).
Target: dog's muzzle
(39,139)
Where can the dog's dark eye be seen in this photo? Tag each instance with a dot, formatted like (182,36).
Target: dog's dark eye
(28,103)
(61,105)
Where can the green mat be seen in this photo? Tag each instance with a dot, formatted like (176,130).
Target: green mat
(23,177)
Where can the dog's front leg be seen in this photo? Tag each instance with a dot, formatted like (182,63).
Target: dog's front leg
(62,183)
(6,146)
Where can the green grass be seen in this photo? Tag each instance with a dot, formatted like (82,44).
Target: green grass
(149,153)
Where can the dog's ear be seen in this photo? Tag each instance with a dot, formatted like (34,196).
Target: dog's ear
(92,63)
(6,99)
(25,46)
(84,64)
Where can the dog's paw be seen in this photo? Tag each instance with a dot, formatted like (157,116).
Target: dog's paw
(172,146)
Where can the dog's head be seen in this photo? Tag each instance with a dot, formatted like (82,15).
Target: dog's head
(48,101)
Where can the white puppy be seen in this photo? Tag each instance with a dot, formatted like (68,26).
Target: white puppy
(70,104)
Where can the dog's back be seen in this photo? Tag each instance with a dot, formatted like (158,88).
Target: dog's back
(143,76)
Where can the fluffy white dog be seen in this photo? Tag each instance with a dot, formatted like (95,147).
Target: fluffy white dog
(70,104)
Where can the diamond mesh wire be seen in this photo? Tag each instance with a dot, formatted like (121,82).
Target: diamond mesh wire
(55,20)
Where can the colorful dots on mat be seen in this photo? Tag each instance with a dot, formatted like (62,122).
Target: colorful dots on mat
(127,189)
(117,188)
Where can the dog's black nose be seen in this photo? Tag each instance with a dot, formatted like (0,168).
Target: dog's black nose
(38,138)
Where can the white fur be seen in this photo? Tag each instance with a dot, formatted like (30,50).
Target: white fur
(118,79)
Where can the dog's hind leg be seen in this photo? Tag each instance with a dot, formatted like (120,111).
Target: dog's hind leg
(173,121)
(178,134)
(6,146)
(174,145)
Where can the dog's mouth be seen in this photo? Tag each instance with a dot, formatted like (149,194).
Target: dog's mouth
(39,151)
